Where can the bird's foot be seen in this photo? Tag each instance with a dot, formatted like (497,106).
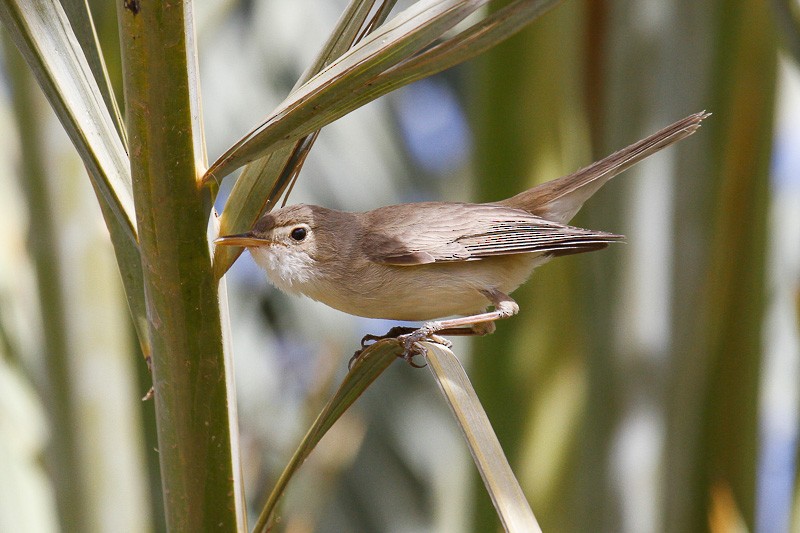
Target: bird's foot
(411,342)
(410,338)
(393,333)
(369,340)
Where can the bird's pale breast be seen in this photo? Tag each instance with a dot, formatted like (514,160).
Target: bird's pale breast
(423,292)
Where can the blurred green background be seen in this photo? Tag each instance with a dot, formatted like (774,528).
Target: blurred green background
(652,386)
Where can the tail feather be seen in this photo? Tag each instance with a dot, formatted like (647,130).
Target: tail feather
(560,199)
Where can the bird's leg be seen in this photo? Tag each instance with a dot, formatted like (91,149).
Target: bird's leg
(480,324)
(504,307)
(479,329)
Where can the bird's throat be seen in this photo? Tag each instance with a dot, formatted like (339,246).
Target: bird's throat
(288,269)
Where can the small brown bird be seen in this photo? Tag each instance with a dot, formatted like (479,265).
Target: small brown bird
(425,261)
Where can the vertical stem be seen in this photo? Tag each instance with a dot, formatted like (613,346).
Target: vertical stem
(192,398)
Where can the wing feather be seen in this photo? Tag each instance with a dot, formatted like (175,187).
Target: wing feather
(445,232)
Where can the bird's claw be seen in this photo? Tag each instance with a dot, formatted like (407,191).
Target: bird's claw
(353,359)
(410,338)
(369,339)
(412,346)
(393,333)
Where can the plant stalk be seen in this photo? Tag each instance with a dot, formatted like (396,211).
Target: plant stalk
(193,399)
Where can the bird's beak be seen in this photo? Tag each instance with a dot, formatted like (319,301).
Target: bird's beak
(242,239)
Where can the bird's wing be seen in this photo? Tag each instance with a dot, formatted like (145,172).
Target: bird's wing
(442,232)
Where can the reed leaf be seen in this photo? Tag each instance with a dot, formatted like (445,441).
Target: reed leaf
(366,369)
(80,18)
(512,507)
(42,32)
(307,108)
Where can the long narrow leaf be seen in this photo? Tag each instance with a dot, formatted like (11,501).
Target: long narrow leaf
(370,364)
(504,489)
(380,15)
(341,38)
(305,110)
(42,32)
(80,18)
(469,43)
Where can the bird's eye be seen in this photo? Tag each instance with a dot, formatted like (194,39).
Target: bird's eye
(298,234)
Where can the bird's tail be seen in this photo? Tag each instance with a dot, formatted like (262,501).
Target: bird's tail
(560,199)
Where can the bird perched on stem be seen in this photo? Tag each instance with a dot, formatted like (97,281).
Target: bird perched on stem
(424,261)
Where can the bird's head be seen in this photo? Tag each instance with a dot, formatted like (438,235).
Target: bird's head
(292,244)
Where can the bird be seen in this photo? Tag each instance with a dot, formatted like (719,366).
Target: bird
(428,261)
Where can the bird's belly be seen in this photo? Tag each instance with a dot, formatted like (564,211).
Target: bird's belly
(425,292)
